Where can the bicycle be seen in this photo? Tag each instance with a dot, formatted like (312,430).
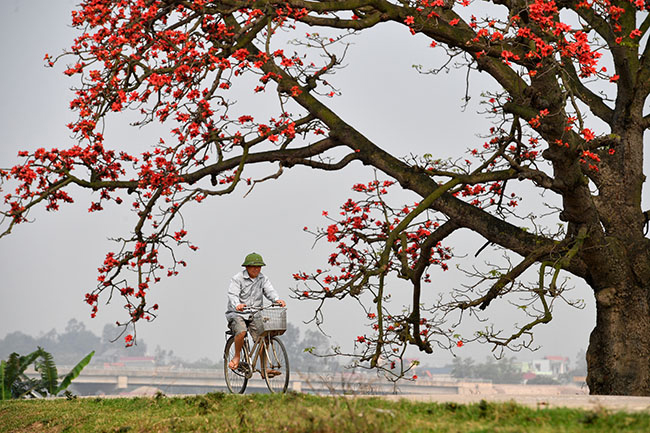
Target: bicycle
(268,354)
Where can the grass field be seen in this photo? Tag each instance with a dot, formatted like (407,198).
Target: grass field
(300,413)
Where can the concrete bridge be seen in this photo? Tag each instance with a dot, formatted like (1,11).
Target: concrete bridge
(113,380)
(169,380)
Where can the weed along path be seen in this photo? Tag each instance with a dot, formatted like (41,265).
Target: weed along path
(578,401)
(302,413)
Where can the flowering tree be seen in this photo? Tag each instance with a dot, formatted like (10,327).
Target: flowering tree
(569,120)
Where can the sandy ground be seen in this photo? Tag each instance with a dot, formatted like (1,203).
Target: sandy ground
(590,402)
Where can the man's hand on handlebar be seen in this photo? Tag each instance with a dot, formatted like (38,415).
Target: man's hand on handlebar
(242,307)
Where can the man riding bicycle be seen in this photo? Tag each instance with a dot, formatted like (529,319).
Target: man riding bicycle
(247,289)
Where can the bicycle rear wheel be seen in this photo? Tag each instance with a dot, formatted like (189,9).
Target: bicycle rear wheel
(236,381)
(275,365)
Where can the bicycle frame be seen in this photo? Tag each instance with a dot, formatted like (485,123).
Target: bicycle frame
(259,347)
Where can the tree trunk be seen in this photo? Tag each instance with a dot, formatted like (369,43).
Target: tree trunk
(617,359)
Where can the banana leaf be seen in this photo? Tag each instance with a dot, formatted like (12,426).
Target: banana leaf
(49,373)
(4,392)
(15,367)
(26,360)
(74,373)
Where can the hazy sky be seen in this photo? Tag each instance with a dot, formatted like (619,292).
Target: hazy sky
(48,266)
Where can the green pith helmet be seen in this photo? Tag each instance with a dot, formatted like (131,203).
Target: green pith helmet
(253,259)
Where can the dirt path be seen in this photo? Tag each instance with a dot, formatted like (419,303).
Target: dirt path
(591,402)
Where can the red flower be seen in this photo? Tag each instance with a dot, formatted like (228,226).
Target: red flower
(295,91)
(179,235)
(331,233)
(588,134)
(409,20)
(241,54)
(459,343)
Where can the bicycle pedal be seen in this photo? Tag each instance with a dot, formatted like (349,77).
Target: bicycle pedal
(243,367)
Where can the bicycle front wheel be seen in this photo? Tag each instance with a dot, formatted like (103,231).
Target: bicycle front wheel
(236,380)
(275,365)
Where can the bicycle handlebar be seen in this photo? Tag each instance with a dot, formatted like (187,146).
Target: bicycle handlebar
(257,309)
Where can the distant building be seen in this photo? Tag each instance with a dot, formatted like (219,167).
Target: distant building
(553,366)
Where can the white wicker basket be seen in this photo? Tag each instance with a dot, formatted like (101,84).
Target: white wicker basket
(271,321)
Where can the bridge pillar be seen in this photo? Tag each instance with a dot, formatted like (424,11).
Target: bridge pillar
(122,382)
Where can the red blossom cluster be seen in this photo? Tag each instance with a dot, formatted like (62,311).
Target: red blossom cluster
(178,63)
(538,38)
(174,64)
(362,261)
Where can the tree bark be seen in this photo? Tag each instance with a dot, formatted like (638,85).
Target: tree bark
(617,358)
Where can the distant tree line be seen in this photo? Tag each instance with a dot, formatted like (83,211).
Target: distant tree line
(76,341)
(71,345)
(505,370)
(508,370)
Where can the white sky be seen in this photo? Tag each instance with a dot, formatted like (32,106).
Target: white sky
(48,266)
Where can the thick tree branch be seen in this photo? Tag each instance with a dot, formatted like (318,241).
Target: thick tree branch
(288,157)
(595,102)
(421,265)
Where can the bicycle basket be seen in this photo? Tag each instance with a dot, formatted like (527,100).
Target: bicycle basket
(270,321)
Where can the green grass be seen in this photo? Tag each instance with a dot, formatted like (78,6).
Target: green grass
(301,413)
